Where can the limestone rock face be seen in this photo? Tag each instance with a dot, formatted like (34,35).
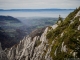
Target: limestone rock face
(54,26)
(30,48)
(79,27)
(63,48)
(78,14)
(3,55)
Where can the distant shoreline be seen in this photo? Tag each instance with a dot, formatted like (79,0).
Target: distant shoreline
(35,9)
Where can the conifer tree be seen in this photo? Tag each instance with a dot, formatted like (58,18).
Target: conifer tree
(60,20)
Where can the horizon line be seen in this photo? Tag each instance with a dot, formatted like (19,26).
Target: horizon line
(37,8)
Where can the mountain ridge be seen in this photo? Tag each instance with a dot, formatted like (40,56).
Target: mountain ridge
(10,30)
(8,18)
(35,9)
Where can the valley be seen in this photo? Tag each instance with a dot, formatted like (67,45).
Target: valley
(57,42)
(12,30)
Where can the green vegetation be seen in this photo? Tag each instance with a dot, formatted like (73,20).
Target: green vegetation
(37,43)
(70,35)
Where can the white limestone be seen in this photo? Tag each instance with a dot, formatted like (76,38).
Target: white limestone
(54,26)
(63,48)
(74,54)
(26,49)
(71,22)
(62,34)
(79,19)
(78,14)
(78,27)
(55,52)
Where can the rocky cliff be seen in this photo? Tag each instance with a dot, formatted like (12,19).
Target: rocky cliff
(57,42)
(3,55)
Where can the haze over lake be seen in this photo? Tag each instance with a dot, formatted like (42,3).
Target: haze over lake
(37,13)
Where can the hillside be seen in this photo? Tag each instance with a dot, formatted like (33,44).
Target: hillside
(66,37)
(14,29)
(9,18)
(58,42)
(38,22)
(11,31)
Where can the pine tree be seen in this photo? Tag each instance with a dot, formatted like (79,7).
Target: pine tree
(60,20)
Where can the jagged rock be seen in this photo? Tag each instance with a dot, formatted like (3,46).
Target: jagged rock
(3,55)
(74,54)
(79,19)
(78,14)
(55,52)
(59,22)
(71,22)
(47,56)
(63,48)
(54,26)
(28,49)
(62,34)
(79,27)
(37,32)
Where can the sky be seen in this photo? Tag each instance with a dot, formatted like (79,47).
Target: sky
(39,4)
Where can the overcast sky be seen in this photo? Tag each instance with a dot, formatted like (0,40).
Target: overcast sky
(38,4)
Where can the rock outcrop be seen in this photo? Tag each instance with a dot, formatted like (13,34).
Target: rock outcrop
(30,49)
(79,27)
(3,55)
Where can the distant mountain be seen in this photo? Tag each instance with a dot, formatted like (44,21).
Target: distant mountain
(11,31)
(9,18)
(35,9)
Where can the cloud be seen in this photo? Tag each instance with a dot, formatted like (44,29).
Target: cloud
(10,4)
